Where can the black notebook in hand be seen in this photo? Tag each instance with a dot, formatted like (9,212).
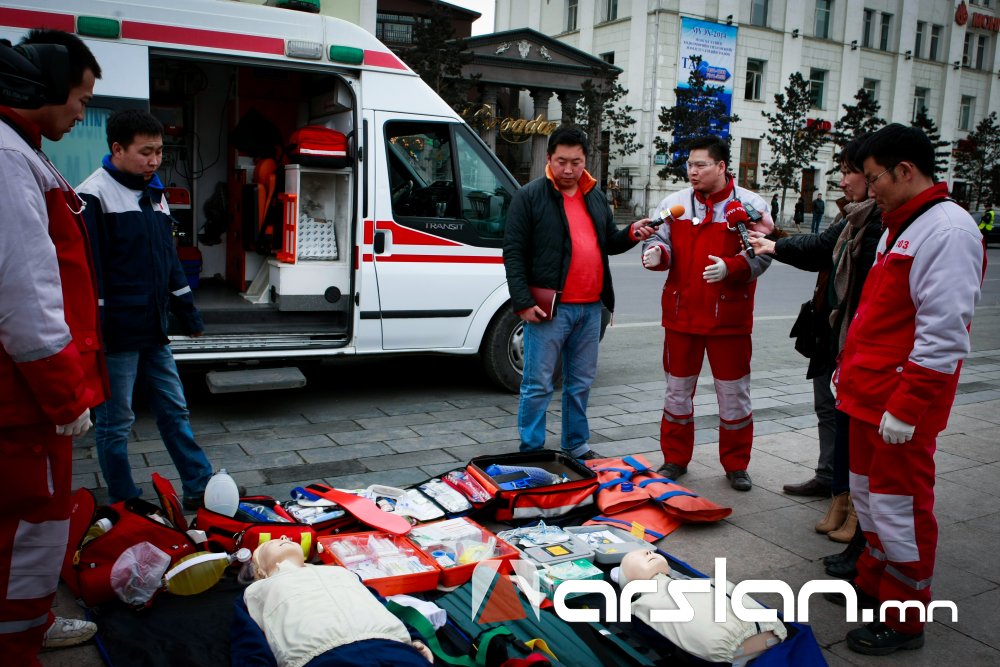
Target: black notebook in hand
(545,298)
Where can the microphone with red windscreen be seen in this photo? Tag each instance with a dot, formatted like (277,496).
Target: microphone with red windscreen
(737,218)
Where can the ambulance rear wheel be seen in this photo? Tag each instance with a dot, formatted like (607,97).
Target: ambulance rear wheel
(503,350)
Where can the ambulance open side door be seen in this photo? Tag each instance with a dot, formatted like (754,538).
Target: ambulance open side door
(440,209)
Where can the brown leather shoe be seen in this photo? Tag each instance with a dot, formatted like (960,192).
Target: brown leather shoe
(836,514)
(813,487)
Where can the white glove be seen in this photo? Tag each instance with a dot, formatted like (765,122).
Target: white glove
(716,271)
(894,431)
(77,427)
(651,258)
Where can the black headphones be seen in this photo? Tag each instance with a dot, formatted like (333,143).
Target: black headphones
(33,75)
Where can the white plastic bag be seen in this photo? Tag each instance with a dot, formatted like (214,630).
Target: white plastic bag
(138,573)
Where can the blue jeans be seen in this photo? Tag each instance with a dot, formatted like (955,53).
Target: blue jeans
(574,334)
(153,370)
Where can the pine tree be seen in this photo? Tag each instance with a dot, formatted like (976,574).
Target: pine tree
(598,111)
(437,56)
(977,161)
(926,123)
(858,119)
(697,112)
(794,142)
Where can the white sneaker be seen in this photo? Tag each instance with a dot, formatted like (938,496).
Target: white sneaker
(68,632)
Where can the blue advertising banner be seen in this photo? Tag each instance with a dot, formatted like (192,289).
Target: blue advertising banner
(716,44)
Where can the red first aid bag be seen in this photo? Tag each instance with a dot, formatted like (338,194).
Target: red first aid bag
(87,567)
(318,146)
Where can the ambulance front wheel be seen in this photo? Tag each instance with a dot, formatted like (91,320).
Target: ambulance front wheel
(502,351)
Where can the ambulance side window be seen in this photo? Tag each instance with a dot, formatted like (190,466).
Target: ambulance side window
(424,160)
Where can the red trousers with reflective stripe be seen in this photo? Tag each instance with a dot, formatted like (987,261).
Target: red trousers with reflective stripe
(893,491)
(35,503)
(729,358)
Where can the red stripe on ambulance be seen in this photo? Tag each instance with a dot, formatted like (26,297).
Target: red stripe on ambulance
(444,259)
(383,59)
(23,18)
(407,236)
(213,39)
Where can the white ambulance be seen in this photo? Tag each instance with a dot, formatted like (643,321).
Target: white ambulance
(394,247)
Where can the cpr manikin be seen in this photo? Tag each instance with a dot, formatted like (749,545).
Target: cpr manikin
(320,615)
(734,641)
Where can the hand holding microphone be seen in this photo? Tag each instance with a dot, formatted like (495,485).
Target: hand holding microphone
(737,218)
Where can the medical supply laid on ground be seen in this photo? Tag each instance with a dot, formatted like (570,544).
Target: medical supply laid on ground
(222,494)
(547,545)
(574,490)
(248,511)
(522,477)
(610,544)
(390,564)
(405,502)
(457,545)
(200,571)
(450,500)
(551,576)
(464,483)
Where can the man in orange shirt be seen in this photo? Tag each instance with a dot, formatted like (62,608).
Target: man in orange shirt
(560,231)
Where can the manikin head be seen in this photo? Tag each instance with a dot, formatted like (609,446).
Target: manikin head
(275,555)
(642,564)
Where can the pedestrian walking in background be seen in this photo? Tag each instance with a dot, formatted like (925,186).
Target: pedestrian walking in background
(819,207)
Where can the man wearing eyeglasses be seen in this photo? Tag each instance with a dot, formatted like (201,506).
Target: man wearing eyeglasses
(899,372)
(51,370)
(708,307)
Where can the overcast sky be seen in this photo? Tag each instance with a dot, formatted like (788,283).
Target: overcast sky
(485,7)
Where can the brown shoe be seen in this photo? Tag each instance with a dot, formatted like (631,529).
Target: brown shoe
(836,514)
(813,487)
(846,531)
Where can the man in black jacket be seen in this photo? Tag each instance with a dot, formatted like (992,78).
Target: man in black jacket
(560,231)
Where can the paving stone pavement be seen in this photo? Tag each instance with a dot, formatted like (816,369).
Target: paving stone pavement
(273,444)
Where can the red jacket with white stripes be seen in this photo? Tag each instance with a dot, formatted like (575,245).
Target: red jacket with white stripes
(51,364)
(905,346)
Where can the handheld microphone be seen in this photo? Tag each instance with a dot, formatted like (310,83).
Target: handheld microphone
(737,217)
(673,213)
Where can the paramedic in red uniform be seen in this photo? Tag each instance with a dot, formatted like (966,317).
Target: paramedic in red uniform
(898,374)
(559,233)
(708,306)
(51,370)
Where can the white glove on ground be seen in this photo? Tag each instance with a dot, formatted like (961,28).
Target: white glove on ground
(716,271)
(651,258)
(78,427)
(894,431)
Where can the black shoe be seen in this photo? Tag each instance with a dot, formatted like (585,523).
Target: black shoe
(671,471)
(865,601)
(844,564)
(813,487)
(880,639)
(590,455)
(739,480)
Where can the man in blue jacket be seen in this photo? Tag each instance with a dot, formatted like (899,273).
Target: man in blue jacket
(559,233)
(140,280)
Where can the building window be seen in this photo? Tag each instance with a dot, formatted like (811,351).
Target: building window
(571,11)
(755,79)
(870,86)
(823,10)
(966,48)
(919,101)
(817,82)
(966,112)
(749,154)
(868,28)
(883,43)
(608,57)
(758,12)
(981,52)
(395,28)
(935,42)
(918,42)
(609,10)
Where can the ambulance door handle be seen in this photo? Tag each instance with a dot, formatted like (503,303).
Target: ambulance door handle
(382,241)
